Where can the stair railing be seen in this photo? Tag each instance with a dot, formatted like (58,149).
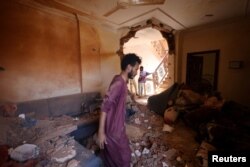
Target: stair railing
(160,72)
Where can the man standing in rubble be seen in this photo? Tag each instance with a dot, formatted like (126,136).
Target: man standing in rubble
(113,142)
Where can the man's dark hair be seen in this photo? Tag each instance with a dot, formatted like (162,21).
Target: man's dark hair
(130,58)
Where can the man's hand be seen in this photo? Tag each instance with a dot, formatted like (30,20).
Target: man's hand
(101,132)
(102,140)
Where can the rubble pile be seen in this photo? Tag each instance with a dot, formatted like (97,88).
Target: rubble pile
(152,151)
(60,149)
(220,123)
(145,119)
(26,141)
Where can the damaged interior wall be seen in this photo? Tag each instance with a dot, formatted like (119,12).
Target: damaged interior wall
(47,54)
(232,39)
(44,56)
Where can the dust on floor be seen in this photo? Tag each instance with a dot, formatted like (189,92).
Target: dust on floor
(153,147)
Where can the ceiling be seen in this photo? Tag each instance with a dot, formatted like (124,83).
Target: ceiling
(176,14)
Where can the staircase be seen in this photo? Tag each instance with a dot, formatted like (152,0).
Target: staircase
(161,74)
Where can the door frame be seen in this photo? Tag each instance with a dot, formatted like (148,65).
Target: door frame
(216,53)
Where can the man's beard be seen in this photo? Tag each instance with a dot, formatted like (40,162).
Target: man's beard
(130,75)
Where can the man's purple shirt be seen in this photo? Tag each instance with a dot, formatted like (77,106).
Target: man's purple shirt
(117,151)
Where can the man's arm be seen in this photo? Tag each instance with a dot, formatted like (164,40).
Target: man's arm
(107,105)
(101,131)
(148,73)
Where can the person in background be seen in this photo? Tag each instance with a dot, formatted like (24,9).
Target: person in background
(142,81)
(113,141)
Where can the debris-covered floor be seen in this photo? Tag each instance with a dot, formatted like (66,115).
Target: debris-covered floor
(179,134)
(153,145)
(150,145)
(28,142)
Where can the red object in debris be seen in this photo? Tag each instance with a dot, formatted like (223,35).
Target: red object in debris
(30,163)
(3,154)
(8,110)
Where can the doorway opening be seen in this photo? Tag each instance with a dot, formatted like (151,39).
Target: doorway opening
(202,70)
(157,59)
